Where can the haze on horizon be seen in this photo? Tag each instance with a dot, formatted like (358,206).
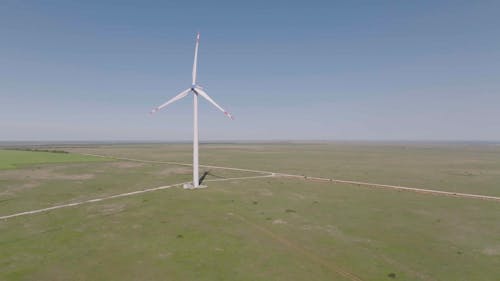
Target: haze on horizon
(315,70)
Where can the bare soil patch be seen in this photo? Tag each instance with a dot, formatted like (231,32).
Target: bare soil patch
(492,251)
(126,164)
(46,173)
(174,171)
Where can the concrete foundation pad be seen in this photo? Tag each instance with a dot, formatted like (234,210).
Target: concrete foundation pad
(190,186)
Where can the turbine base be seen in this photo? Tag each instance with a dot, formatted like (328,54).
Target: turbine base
(191,186)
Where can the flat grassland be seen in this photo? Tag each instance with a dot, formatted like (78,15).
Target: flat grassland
(10,159)
(273,228)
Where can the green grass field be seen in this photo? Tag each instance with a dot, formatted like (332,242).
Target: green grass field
(10,159)
(254,229)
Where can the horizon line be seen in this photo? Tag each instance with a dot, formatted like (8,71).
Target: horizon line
(124,141)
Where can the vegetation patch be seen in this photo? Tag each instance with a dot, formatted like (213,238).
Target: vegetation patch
(37,149)
(11,159)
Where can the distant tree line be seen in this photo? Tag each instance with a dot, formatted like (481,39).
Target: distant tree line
(37,149)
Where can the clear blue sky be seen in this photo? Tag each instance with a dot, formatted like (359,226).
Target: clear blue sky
(373,70)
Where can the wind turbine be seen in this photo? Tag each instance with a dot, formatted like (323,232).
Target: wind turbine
(196,90)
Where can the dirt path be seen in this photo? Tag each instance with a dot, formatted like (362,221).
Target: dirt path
(173,163)
(319,179)
(398,187)
(87,201)
(268,174)
(118,196)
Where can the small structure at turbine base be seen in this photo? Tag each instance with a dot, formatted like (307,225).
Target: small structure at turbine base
(191,186)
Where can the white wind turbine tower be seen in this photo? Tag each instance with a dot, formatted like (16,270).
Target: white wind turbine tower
(196,90)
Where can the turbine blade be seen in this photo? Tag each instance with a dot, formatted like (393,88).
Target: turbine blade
(176,98)
(195,63)
(208,98)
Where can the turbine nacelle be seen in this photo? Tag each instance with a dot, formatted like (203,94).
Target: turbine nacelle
(197,90)
(229,115)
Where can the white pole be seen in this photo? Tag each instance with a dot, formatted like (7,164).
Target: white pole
(195,141)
